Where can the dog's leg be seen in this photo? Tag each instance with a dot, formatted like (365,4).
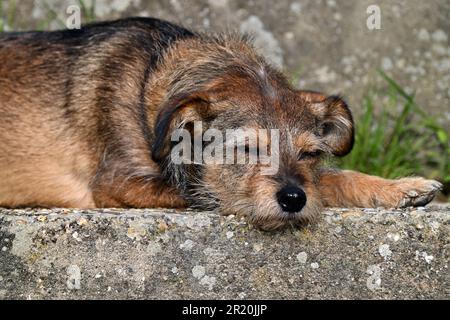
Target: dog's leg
(137,193)
(353,189)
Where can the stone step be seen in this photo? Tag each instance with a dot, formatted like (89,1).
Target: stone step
(155,254)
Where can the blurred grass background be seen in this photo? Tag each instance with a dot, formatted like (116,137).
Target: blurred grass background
(395,137)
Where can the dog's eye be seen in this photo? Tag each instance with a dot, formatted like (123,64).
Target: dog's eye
(309,155)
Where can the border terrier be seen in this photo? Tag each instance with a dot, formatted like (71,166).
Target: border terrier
(87,116)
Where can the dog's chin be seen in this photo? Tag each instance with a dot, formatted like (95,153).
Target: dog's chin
(270,217)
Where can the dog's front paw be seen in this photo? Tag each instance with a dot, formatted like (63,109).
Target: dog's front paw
(417,192)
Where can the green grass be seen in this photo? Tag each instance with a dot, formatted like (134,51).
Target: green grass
(393,143)
(51,16)
(7,14)
(87,12)
(2,23)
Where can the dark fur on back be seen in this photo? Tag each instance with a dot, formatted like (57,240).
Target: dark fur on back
(82,85)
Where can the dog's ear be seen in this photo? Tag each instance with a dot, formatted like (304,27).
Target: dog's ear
(334,121)
(177,112)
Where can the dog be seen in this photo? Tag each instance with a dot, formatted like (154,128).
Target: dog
(87,117)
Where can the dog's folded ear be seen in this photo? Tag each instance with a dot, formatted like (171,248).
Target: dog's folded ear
(178,111)
(334,121)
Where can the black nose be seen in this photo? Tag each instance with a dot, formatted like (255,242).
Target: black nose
(291,199)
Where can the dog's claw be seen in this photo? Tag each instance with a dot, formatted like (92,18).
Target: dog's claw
(419,192)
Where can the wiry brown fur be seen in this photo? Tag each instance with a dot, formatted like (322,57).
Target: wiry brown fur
(86,118)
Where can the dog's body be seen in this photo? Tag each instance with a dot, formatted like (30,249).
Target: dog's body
(85,117)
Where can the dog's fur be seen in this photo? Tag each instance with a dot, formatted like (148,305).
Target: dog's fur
(86,115)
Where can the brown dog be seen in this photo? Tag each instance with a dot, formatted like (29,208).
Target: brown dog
(86,118)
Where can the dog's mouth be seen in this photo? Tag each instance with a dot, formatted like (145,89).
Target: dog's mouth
(272,216)
(292,216)
(288,207)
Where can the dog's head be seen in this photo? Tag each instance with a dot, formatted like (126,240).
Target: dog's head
(249,143)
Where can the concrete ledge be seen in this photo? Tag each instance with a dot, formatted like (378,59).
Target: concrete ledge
(150,254)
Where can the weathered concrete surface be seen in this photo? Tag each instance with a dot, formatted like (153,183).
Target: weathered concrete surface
(148,254)
(323,44)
